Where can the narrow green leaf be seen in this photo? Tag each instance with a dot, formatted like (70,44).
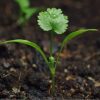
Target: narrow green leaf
(29,12)
(28,43)
(70,37)
(23,3)
(75,34)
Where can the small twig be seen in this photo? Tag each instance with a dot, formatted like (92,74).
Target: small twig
(90,57)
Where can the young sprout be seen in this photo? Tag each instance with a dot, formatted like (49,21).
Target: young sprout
(52,20)
(26,11)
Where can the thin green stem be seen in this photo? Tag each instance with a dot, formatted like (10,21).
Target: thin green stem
(53,85)
(52,65)
(52,70)
(58,57)
(53,75)
(51,44)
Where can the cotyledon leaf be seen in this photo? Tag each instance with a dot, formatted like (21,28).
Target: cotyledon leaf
(75,34)
(71,36)
(28,43)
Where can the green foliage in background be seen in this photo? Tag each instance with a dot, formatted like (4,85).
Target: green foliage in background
(26,11)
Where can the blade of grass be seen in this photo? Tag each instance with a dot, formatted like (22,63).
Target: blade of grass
(75,34)
(28,43)
(71,36)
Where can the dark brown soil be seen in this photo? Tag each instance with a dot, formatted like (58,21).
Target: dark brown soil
(23,72)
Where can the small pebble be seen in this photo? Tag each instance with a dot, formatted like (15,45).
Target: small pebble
(24,57)
(72,90)
(63,91)
(6,65)
(65,70)
(15,90)
(12,69)
(34,66)
(50,81)
(88,66)
(70,78)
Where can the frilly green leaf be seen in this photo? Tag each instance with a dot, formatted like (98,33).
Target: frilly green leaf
(53,20)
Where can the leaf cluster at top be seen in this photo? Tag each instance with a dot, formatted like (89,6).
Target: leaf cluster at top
(53,20)
(25,10)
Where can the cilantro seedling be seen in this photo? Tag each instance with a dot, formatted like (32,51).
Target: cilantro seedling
(26,11)
(56,22)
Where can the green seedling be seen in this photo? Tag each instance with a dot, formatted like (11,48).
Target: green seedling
(54,21)
(26,11)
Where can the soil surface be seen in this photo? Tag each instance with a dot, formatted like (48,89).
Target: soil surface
(23,72)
